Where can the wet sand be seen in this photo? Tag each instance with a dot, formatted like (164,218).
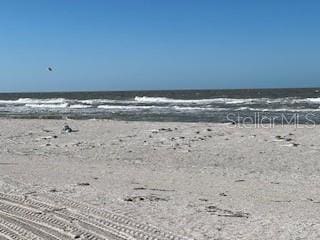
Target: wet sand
(198,180)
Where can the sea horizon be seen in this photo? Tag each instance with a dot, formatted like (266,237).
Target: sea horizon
(160,89)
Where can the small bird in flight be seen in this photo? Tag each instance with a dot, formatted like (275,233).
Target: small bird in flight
(50,69)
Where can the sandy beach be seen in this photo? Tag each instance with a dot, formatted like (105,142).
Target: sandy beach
(195,180)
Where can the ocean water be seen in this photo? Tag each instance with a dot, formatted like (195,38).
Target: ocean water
(288,106)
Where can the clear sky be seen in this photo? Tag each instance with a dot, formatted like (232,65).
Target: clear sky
(158,44)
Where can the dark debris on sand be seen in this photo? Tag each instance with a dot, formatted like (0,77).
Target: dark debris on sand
(226,213)
(67,129)
(83,184)
(150,198)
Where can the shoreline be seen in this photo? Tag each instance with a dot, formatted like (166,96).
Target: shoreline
(231,124)
(199,180)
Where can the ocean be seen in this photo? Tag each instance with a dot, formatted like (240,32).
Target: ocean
(288,106)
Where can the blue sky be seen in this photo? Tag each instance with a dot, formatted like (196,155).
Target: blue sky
(158,44)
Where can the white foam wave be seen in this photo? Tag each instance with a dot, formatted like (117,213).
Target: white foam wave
(196,101)
(34,101)
(63,105)
(166,100)
(314,100)
(277,109)
(77,106)
(130,107)
(177,108)
(199,109)
(237,101)
(97,101)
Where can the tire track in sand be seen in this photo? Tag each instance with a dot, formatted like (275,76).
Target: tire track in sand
(51,217)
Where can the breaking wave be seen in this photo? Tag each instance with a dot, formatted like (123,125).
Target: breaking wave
(34,101)
(195,101)
(63,105)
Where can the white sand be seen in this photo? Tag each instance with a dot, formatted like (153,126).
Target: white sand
(227,183)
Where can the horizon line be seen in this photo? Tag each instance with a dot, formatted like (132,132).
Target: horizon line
(159,90)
